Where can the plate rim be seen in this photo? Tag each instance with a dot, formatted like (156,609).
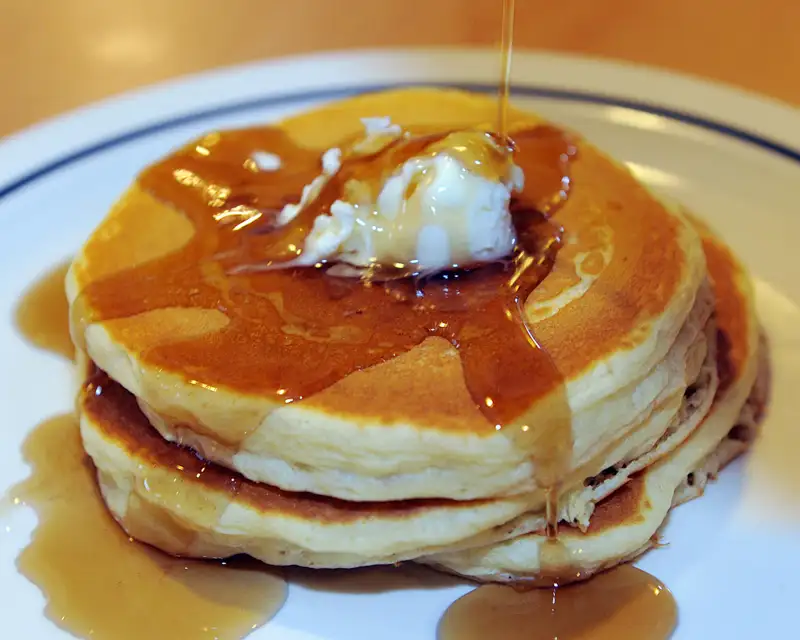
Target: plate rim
(49,145)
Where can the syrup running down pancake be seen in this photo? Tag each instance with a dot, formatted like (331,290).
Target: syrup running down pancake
(626,524)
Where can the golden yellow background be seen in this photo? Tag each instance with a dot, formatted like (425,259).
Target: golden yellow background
(59,54)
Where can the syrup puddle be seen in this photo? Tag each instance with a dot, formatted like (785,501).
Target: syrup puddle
(98,582)
(622,604)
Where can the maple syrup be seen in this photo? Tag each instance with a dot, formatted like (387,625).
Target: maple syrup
(622,604)
(506,51)
(42,313)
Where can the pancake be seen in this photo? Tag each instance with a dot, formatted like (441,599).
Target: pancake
(625,524)
(218,362)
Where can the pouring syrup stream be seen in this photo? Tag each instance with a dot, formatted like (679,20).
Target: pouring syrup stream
(506,48)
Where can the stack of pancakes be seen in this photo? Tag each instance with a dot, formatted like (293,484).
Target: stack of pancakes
(646,315)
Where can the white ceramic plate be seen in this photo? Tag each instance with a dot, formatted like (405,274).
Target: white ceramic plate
(734,555)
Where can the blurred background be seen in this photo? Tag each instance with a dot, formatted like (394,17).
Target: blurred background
(59,54)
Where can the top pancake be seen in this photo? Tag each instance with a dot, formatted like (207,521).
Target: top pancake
(229,356)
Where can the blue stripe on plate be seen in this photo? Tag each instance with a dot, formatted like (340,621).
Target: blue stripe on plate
(331,94)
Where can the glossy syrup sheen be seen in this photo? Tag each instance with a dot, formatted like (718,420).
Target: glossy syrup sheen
(293,332)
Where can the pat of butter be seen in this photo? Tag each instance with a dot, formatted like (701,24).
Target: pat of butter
(431,214)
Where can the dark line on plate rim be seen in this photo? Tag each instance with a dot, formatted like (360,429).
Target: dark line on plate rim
(530,91)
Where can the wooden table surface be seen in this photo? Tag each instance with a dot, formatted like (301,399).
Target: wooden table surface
(60,54)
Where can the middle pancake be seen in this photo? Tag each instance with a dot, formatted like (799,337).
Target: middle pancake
(387,413)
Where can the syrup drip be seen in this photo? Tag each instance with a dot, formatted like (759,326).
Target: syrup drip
(548,472)
(622,604)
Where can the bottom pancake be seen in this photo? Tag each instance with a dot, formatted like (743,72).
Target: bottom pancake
(624,524)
